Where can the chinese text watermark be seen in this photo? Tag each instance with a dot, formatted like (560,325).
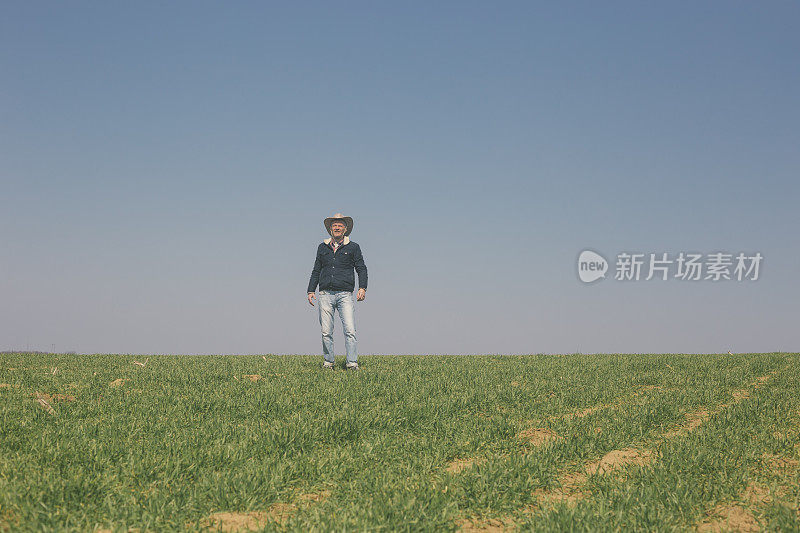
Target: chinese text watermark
(683,266)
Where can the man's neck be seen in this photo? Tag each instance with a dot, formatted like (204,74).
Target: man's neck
(339,240)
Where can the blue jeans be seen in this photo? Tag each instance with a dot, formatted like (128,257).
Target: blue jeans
(328,302)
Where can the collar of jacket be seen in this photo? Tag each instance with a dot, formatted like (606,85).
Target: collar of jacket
(346,240)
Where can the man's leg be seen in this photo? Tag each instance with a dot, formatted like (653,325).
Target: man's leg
(325,302)
(347,313)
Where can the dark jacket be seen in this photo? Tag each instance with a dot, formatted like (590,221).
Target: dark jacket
(334,271)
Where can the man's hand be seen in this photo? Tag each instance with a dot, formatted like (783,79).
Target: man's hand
(362,293)
(311,298)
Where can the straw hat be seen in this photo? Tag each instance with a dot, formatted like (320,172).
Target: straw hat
(348,222)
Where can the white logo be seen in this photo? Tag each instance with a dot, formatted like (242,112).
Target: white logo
(663,266)
(591,266)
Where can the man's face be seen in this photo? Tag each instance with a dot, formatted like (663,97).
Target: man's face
(338,229)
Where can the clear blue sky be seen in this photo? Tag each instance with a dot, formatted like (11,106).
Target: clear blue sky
(166,168)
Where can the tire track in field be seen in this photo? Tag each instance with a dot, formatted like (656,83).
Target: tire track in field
(697,418)
(571,484)
(738,515)
(621,401)
(539,436)
(571,488)
(536,437)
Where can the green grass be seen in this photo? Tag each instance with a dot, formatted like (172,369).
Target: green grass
(183,439)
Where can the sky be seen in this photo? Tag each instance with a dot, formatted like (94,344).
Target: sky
(165,169)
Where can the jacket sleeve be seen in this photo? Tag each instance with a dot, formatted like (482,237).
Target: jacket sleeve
(312,283)
(361,269)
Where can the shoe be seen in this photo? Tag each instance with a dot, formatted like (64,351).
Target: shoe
(351,366)
(326,365)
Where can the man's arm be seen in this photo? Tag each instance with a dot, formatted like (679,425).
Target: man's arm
(361,269)
(314,280)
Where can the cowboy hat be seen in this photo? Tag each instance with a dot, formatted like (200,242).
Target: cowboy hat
(348,223)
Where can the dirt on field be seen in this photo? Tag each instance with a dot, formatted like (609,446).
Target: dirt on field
(582,413)
(568,492)
(617,403)
(459,465)
(489,525)
(249,521)
(589,410)
(757,494)
(761,380)
(282,512)
(693,421)
(119,382)
(538,436)
(616,459)
(57,397)
(570,489)
(730,518)
(740,394)
(779,464)
(698,418)
(252,377)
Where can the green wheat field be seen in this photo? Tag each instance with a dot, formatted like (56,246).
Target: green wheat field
(408,443)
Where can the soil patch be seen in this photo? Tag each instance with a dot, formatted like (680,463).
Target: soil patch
(761,380)
(779,464)
(589,410)
(252,521)
(696,419)
(58,397)
(252,377)
(693,421)
(757,494)
(249,521)
(282,512)
(538,436)
(63,397)
(568,492)
(730,518)
(117,382)
(617,459)
(740,394)
(490,525)
(581,413)
(460,465)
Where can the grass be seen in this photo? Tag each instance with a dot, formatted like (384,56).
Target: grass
(185,438)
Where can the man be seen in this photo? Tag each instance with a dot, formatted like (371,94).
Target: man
(337,257)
